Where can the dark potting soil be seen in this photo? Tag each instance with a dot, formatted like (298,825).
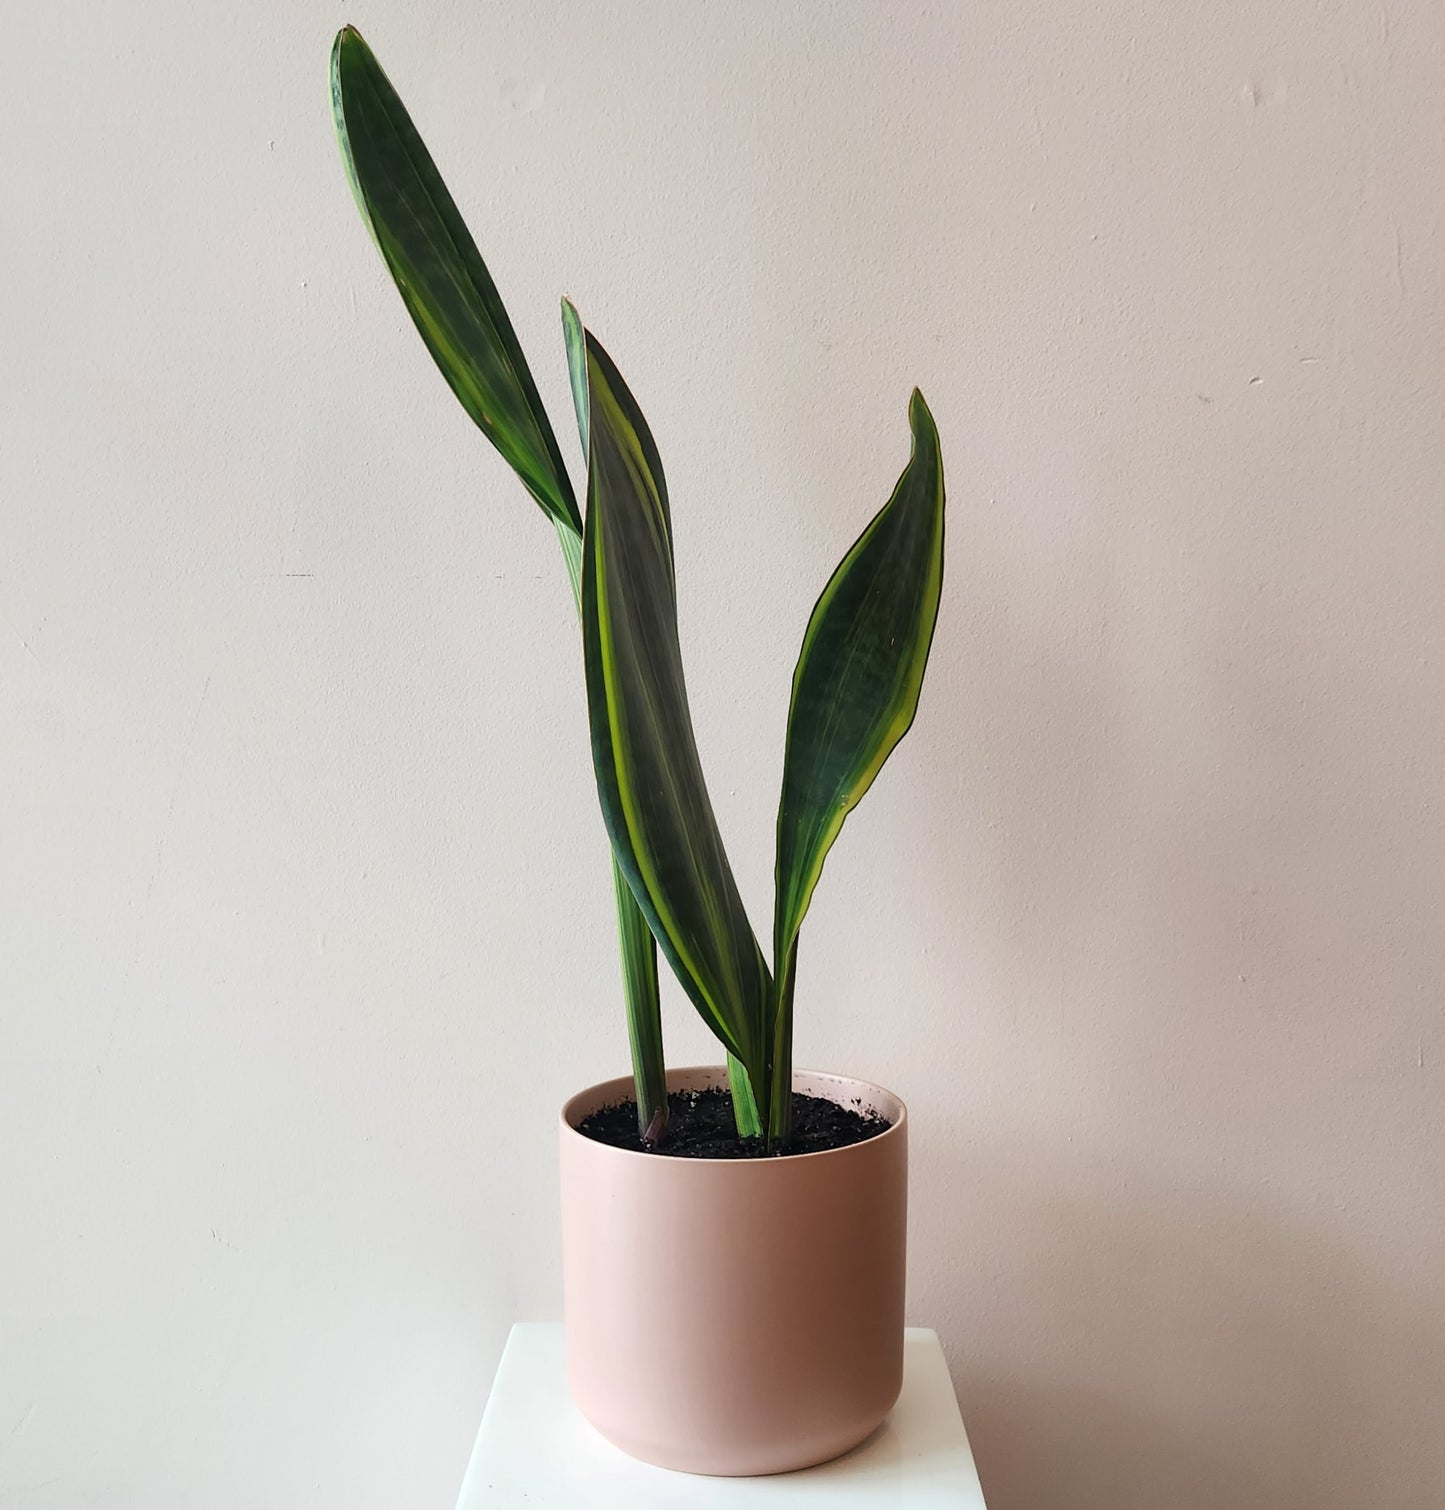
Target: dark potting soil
(700,1126)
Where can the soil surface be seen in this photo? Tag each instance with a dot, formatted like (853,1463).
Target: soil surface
(700,1126)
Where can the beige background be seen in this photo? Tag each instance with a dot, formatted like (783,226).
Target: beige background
(303,910)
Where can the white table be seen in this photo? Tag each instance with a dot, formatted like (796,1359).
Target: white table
(535,1451)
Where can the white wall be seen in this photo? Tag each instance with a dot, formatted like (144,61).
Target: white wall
(303,909)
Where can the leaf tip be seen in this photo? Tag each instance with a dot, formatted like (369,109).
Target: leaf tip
(347,39)
(922,426)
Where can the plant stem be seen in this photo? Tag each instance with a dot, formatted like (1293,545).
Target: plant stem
(644,1015)
(745,1106)
(780,1055)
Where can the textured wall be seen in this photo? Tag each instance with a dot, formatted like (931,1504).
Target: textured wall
(303,900)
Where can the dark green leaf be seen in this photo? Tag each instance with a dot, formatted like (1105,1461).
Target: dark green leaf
(855,691)
(649,776)
(639,949)
(460,316)
(441,276)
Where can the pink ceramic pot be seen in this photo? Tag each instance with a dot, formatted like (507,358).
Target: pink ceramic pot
(735,1316)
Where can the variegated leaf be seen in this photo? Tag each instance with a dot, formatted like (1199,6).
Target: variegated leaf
(855,692)
(649,775)
(440,274)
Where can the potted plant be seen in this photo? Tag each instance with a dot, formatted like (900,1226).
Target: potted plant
(733,1237)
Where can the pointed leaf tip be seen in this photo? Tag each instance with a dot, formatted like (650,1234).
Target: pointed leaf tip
(575,342)
(348,42)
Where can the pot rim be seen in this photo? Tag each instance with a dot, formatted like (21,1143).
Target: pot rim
(895,1129)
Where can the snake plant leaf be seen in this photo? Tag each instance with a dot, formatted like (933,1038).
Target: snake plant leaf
(639,948)
(649,776)
(574,338)
(460,316)
(441,276)
(855,692)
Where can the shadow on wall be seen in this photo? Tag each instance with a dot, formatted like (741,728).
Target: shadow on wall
(1182,1267)
(1150,1348)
